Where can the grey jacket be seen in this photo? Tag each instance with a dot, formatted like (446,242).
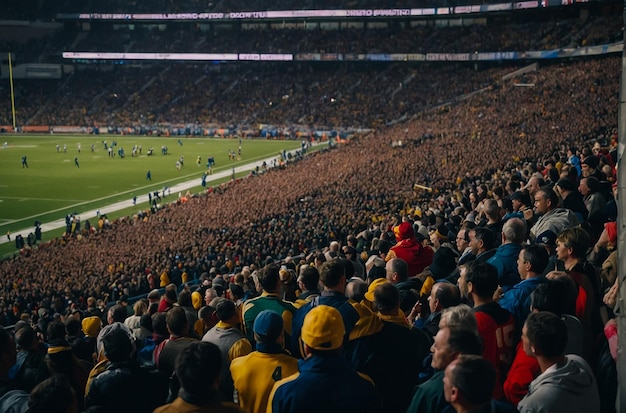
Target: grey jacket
(557,221)
(570,388)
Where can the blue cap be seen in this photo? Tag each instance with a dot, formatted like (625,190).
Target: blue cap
(268,324)
(546,238)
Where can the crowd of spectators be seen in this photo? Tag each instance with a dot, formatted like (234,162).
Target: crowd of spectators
(369,183)
(460,161)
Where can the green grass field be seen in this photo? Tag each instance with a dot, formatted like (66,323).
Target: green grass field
(52,186)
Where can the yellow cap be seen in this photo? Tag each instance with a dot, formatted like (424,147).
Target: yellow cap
(323,328)
(369,295)
(196,300)
(91,326)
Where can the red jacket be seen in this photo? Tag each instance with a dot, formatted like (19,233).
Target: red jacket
(524,370)
(496,326)
(416,256)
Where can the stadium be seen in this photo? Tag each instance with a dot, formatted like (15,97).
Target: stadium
(335,130)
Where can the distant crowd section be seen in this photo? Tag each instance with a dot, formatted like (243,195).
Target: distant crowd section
(33,10)
(244,95)
(548,32)
(551,30)
(322,95)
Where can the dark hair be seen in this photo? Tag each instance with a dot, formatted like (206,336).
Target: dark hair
(537,256)
(386,297)
(269,277)
(236,291)
(184,299)
(350,250)
(197,367)
(384,246)
(549,194)
(170,293)
(592,183)
(159,324)
(56,331)
(146,322)
(25,337)
(556,296)
(225,309)
(408,298)
(475,378)
(331,272)
(553,175)
(153,308)
(205,312)
(448,294)
(310,277)
(374,273)
(400,266)
(484,278)
(118,313)
(72,326)
(53,395)
(499,191)
(176,321)
(507,204)
(348,268)
(320,256)
(485,235)
(547,333)
(117,345)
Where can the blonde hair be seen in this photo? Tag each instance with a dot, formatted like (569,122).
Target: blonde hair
(140,308)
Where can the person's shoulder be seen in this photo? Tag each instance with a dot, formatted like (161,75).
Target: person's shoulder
(14,401)
(242,360)
(579,361)
(249,303)
(288,305)
(286,359)
(286,383)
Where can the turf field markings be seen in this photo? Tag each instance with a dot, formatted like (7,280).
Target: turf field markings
(184,179)
(22,199)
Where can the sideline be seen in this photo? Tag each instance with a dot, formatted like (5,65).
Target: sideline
(143,199)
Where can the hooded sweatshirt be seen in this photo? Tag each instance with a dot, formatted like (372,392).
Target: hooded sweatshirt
(570,388)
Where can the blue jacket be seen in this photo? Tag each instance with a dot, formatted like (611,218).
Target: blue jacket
(325,384)
(517,300)
(505,261)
